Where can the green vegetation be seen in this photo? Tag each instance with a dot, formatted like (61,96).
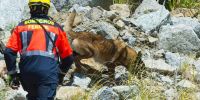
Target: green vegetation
(173,4)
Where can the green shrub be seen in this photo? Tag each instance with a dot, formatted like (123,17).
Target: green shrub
(173,4)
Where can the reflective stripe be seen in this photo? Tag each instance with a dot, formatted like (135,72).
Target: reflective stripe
(40,53)
(50,45)
(24,40)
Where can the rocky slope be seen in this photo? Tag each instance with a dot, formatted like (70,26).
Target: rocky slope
(168,42)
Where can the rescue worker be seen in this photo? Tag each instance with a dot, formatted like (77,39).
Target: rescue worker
(39,41)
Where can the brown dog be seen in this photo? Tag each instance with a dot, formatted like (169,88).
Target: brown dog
(106,51)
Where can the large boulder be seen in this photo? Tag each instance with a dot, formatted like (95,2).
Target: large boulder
(147,6)
(107,30)
(11,12)
(15,11)
(178,38)
(95,13)
(105,93)
(192,22)
(149,16)
(80,9)
(59,4)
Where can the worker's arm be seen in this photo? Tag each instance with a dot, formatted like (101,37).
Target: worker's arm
(65,52)
(10,53)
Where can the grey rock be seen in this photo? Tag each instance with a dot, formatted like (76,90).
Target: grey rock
(95,13)
(149,16)
(11,12)
(186,84)
(81,80)
(197,77)
(19,94)
(59,4)
(171,94)
(107,30)
(147,6)
(121,73)
(197,65)
(80,9)
(126,92)
(197,95)
(174,59)
(105,93)
(178,38)
(121,9)
(159,64)
(165,79)
(128,37)
(120,24)
(110,14)
(151,21)
(80,2)
(192,22)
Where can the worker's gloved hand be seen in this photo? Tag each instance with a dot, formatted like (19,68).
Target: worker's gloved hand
(14,81)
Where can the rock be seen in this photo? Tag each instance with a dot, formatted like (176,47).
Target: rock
(178,38)
(59,4)
(147,6)
(165,79)
(19,94)
(192,22)
(15,12)
(105,4)
(105,93)
(174,59)
(109,15)
(107,30)
(171,94)
(2,84)
(80,9)
(69,92)
(149,16)
(152,39)
(128,37)
(159,64)
(121,73)
(126,91)
(121,9)
(159,54)
(197,65)
(80,2)
(151,21)
(120,24)
(95,13)
(186,84)
(197,77)
(197,95)
(12,13)
(81,80)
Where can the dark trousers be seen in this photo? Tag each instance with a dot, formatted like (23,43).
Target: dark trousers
(39,90)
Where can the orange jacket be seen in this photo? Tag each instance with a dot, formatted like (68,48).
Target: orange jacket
(29,37)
